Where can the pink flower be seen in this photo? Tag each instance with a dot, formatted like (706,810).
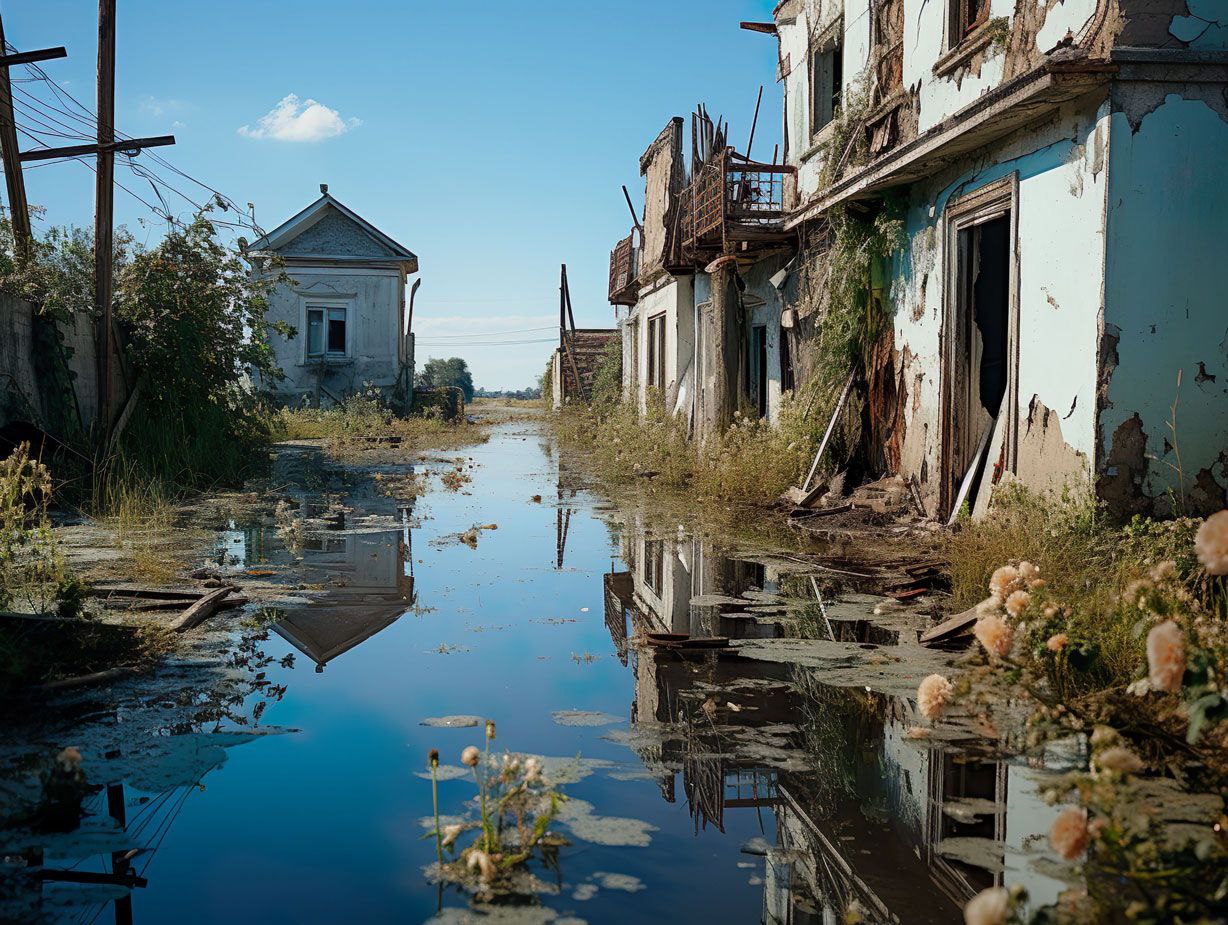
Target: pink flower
(1017,603)
(1057,642)
(484,863)
(988,907)
(1003,581)
(1028,573)
(1166,656)
(995,635)
(1211,544)
(1069,834)
(932,696)
(471,756)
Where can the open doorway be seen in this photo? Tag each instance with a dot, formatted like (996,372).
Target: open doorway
(757,369)
(980,343)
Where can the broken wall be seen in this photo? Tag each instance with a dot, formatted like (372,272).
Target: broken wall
(1059,250)
(1165,304)
(661,167)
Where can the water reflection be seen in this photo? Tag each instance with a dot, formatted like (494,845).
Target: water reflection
(864,814)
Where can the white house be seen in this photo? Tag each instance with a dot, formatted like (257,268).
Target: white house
(343,292)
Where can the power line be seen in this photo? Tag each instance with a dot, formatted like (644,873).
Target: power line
(548,327)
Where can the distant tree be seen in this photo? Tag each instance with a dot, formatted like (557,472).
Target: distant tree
(452,372)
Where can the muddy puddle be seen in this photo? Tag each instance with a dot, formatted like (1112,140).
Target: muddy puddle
(275,770)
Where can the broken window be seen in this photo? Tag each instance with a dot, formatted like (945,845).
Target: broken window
(826,81)
(656,352)
(965,17)
(326,331)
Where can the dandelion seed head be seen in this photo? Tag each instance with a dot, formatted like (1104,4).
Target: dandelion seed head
(1017,603)
(471,756)
(1057,642)
(995,634)
(988,907)
(932,696)
(1211,544)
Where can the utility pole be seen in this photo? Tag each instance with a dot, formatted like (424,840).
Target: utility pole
(104,197)
(14,180)
(104,202)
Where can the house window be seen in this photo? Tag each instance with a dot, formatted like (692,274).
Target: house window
(827,81)
(656,352)
(965,17)
(326,331)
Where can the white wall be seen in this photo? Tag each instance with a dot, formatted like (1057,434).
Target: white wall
(374,299)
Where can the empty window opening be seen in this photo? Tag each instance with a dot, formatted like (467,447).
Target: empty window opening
(786,363)
(826,82)
(325,331)
(757,369)
(965,17)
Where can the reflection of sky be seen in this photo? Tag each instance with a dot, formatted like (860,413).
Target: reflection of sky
(321,826)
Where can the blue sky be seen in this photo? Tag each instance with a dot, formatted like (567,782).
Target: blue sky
(490,138)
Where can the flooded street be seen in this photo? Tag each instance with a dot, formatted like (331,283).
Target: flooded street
(773,779)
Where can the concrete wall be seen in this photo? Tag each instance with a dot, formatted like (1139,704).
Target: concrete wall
(1165,306)
(28,393)
(674,298)
(374,300)
(1060,255)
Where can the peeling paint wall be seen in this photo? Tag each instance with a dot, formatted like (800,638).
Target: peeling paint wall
(1165,298)
(674,300)
(1060,256)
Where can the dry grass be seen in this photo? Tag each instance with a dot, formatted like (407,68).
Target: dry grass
(1086,560)
(360,425)
(750,463)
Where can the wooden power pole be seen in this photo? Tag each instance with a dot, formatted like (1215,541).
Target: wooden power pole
(104,149)
(14,180)
(104,203)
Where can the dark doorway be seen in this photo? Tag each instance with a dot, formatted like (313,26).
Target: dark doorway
(980,362)
(757,369)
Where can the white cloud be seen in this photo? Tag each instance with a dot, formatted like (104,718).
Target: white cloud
(157,108)
(293,119)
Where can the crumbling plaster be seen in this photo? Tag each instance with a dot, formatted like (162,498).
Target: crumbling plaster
(1165,299)
(1060,254)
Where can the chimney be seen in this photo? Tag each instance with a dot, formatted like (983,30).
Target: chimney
(324,188)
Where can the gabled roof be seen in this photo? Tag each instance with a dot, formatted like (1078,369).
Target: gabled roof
(286,232)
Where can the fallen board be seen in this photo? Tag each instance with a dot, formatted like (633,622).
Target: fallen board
(950,628)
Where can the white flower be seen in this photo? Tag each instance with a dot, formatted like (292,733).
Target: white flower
(451,833)
(482,861)
(471,756)
(1017,603)
(995,635)
(1166,656)
(1119,759)
(1003,581)
(988,907)
(932,695)
(1211,544)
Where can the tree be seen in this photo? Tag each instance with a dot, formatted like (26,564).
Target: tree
(450,373)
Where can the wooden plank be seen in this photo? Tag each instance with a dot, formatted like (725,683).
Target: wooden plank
(145,593)
(973,469)
(201,611)
(830,427)
(950,628)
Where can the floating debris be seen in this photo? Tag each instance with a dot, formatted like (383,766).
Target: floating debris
(614,831)
(584,718)
(624,882)
(450,722)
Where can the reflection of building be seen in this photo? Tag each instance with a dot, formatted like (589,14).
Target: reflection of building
(375,575)
(909,830)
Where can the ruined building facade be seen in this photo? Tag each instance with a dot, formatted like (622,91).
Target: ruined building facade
(1053,175)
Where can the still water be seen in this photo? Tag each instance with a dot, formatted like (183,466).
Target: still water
(714,786)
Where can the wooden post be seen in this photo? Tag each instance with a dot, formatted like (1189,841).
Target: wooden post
(104,202)
(19,209)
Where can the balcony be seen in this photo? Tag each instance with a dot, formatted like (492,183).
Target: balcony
(732,201)
(624,268)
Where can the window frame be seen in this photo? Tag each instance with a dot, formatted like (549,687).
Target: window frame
(327,308)
(655,354)
(828,48)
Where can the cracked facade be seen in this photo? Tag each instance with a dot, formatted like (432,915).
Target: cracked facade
(1055,316)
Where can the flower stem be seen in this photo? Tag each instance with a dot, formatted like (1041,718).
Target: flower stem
(435,804)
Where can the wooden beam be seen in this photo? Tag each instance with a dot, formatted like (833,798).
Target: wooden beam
(201,611)
(767,28)
(29,57)
(130,145)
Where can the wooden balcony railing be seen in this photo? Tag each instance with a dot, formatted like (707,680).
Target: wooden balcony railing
(624,268)
(732,200)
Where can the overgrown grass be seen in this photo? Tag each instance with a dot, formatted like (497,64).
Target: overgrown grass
(359,424)
(140,514)
(752,462)
(1086,560)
